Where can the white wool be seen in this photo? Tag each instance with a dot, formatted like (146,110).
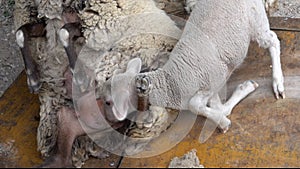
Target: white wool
(139,30)
(124,30)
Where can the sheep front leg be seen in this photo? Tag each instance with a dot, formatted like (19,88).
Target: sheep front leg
(23,36)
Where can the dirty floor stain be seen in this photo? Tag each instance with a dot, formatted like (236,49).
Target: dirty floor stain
(18,112)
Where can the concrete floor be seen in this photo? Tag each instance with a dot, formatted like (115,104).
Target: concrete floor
(11,62)
(265,132)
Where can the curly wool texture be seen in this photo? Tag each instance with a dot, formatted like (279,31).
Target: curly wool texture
(52,9)
(52,60)
(124,33)
(52,63)
(23,12)
(141,135)
(126,36)
(110,20)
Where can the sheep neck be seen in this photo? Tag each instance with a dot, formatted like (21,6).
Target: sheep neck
(165,91)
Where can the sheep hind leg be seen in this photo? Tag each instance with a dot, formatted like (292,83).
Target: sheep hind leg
(218,112)
(198,105)
(69,129)
(23,35)
(241,92)
(270,40)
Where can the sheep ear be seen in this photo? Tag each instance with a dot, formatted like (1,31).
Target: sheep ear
(121,106)
(134,66)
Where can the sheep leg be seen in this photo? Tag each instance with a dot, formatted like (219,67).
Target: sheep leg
(68,35)
(270,40)
(216,111)
(241,92)
(69,129)
(198,105)
(215,102)
(23,36)
(278,79)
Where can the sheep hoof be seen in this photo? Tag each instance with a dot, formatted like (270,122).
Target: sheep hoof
(256,85)
(247,87)
(224,129)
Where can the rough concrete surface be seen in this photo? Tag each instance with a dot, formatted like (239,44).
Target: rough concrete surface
(11,63)
(287,8)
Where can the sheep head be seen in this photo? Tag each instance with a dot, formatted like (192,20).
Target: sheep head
(120,92)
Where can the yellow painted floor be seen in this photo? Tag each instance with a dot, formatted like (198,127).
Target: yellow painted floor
(265,132)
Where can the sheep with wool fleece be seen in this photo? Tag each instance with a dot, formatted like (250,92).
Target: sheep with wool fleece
(203,60)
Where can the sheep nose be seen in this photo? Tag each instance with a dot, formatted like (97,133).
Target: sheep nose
(109,103)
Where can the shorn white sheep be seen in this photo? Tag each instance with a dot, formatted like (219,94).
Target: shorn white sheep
(214,43)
